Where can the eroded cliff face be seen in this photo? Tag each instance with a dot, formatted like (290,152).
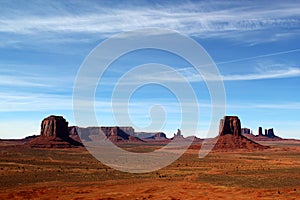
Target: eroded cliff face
(270,133)
(230,136)
(230,125)
(54,134)
(260,131)
(54,126)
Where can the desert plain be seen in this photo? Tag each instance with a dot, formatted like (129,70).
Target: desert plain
(73,173)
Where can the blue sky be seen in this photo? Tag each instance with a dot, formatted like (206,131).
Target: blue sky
(255,45)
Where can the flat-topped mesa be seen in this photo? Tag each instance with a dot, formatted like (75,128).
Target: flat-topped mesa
(246,131)
(230,125)
(55,134)
(113,133)
(54,126)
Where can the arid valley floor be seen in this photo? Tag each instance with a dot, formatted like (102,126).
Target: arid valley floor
(28,173)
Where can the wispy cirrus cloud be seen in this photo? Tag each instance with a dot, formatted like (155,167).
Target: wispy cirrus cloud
(189,74)
(25,102)
(14,75)
(14,81)
(209,19)
(269,74)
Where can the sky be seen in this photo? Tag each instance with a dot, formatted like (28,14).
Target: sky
(254,44)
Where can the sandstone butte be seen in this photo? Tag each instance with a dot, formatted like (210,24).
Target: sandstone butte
(54,134)
(230,136)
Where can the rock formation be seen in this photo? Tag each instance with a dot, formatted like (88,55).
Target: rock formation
(72,131)
(230,136)
(178,134)
(246,131)
(260,131)
(54,126)
(127,129)
(230,125)
(117,134)
(268,136)
(160,135)
(221,125)
(114,134)
(270,133)
(152,136)
(54,133)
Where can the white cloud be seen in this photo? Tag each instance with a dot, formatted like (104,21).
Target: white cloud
(6,80)
(190,75)
(200,19)
(270,74)
(15,102)
(259,56)
(25,77)
(284,106)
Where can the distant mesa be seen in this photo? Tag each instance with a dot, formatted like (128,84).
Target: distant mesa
(122,134)
(151,136)
(118,134)
(73,133)
(246,131)
(230,136)
(266,135)
(54,134)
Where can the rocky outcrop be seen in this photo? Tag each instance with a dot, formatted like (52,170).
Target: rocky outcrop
(268,136)
(152,136)
(270,133)
(117,134)
(54,134)
(178,136)
(72,131)
(260,131)
(120,134)
(159,136)
(230,125)
(114,134)
(127,129)
(246,131)
(230,136)
(54,126)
